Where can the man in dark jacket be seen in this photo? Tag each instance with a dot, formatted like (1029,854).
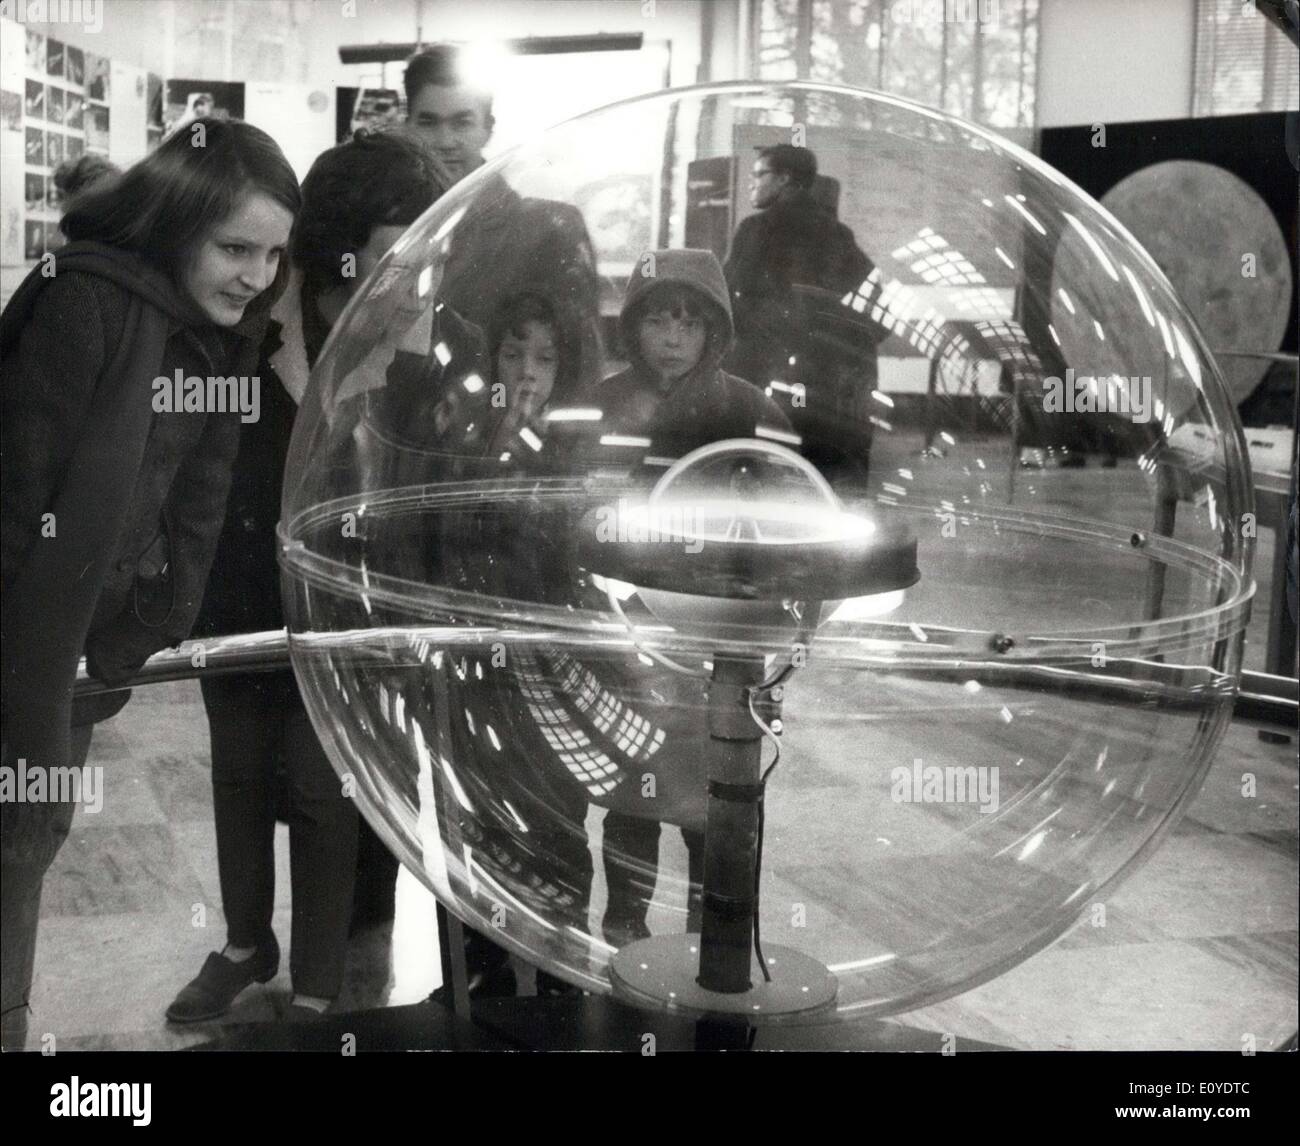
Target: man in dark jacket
(504,240)
(789,266)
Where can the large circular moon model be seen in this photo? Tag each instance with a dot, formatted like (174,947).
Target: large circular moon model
(1222,249)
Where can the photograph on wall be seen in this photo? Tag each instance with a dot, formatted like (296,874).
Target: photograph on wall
(75,148)
(35,99)
(34,244)
(35,147)
(74,114)
(53,148)
(188,100)
(53,57)
(35,52)
(11,111)
(370,107)
(75,66)
(52,196)
(35,191)
(98,77)
(54,104)
(97,121)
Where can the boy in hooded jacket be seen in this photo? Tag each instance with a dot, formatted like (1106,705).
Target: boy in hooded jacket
(676,327)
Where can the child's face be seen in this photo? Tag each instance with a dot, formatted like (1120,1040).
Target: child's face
(527,366)
(671,345)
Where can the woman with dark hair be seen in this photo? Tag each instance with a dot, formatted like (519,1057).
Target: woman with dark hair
(358,199)
(112,496)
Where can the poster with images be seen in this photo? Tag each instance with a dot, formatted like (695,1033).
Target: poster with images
(35,191)
(53,148)
(75,148)
(11,111)
(98,77)
(373,108)
(54,57)
(34,244)
(35,52)
(35,99)
(54,104)
(97,123)
(75,66)
(188,100)
(35,147)
(75,111)
(52,196)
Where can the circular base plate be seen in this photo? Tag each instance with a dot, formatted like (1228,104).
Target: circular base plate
(660,972)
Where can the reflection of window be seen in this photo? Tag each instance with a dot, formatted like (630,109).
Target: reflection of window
(1243,62)
(974,58)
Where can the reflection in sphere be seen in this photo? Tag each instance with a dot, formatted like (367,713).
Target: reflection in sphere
(851,580)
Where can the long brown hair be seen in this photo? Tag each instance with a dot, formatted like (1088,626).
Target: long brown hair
(162,206)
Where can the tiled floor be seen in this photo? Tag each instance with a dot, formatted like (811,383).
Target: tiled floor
(1198,950)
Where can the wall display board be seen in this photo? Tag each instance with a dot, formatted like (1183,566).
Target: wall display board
(59,102)
(50,118)
(127,140)
(188,100)
(300,117)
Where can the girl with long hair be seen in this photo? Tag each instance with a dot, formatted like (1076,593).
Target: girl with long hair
(113,497)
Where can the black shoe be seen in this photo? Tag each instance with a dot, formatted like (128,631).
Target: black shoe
(209,995)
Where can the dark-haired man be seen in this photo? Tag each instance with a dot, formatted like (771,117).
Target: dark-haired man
(505,240)
(504,243)
(792,241)
(451,114)
(789,265)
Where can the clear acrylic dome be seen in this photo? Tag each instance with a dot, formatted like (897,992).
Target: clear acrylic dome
(955,530)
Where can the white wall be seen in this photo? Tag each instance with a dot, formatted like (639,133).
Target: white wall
(1115,61)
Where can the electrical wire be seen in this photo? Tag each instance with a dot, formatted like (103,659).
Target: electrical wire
(762,783)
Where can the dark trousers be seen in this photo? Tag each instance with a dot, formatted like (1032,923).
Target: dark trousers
(631,858)
(31,837)
(259,726)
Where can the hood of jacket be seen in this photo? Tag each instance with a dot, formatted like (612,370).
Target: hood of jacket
(699,270)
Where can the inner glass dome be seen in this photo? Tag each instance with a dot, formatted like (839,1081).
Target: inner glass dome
(617,484)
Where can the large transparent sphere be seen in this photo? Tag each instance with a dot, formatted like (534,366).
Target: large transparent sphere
(638,463)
